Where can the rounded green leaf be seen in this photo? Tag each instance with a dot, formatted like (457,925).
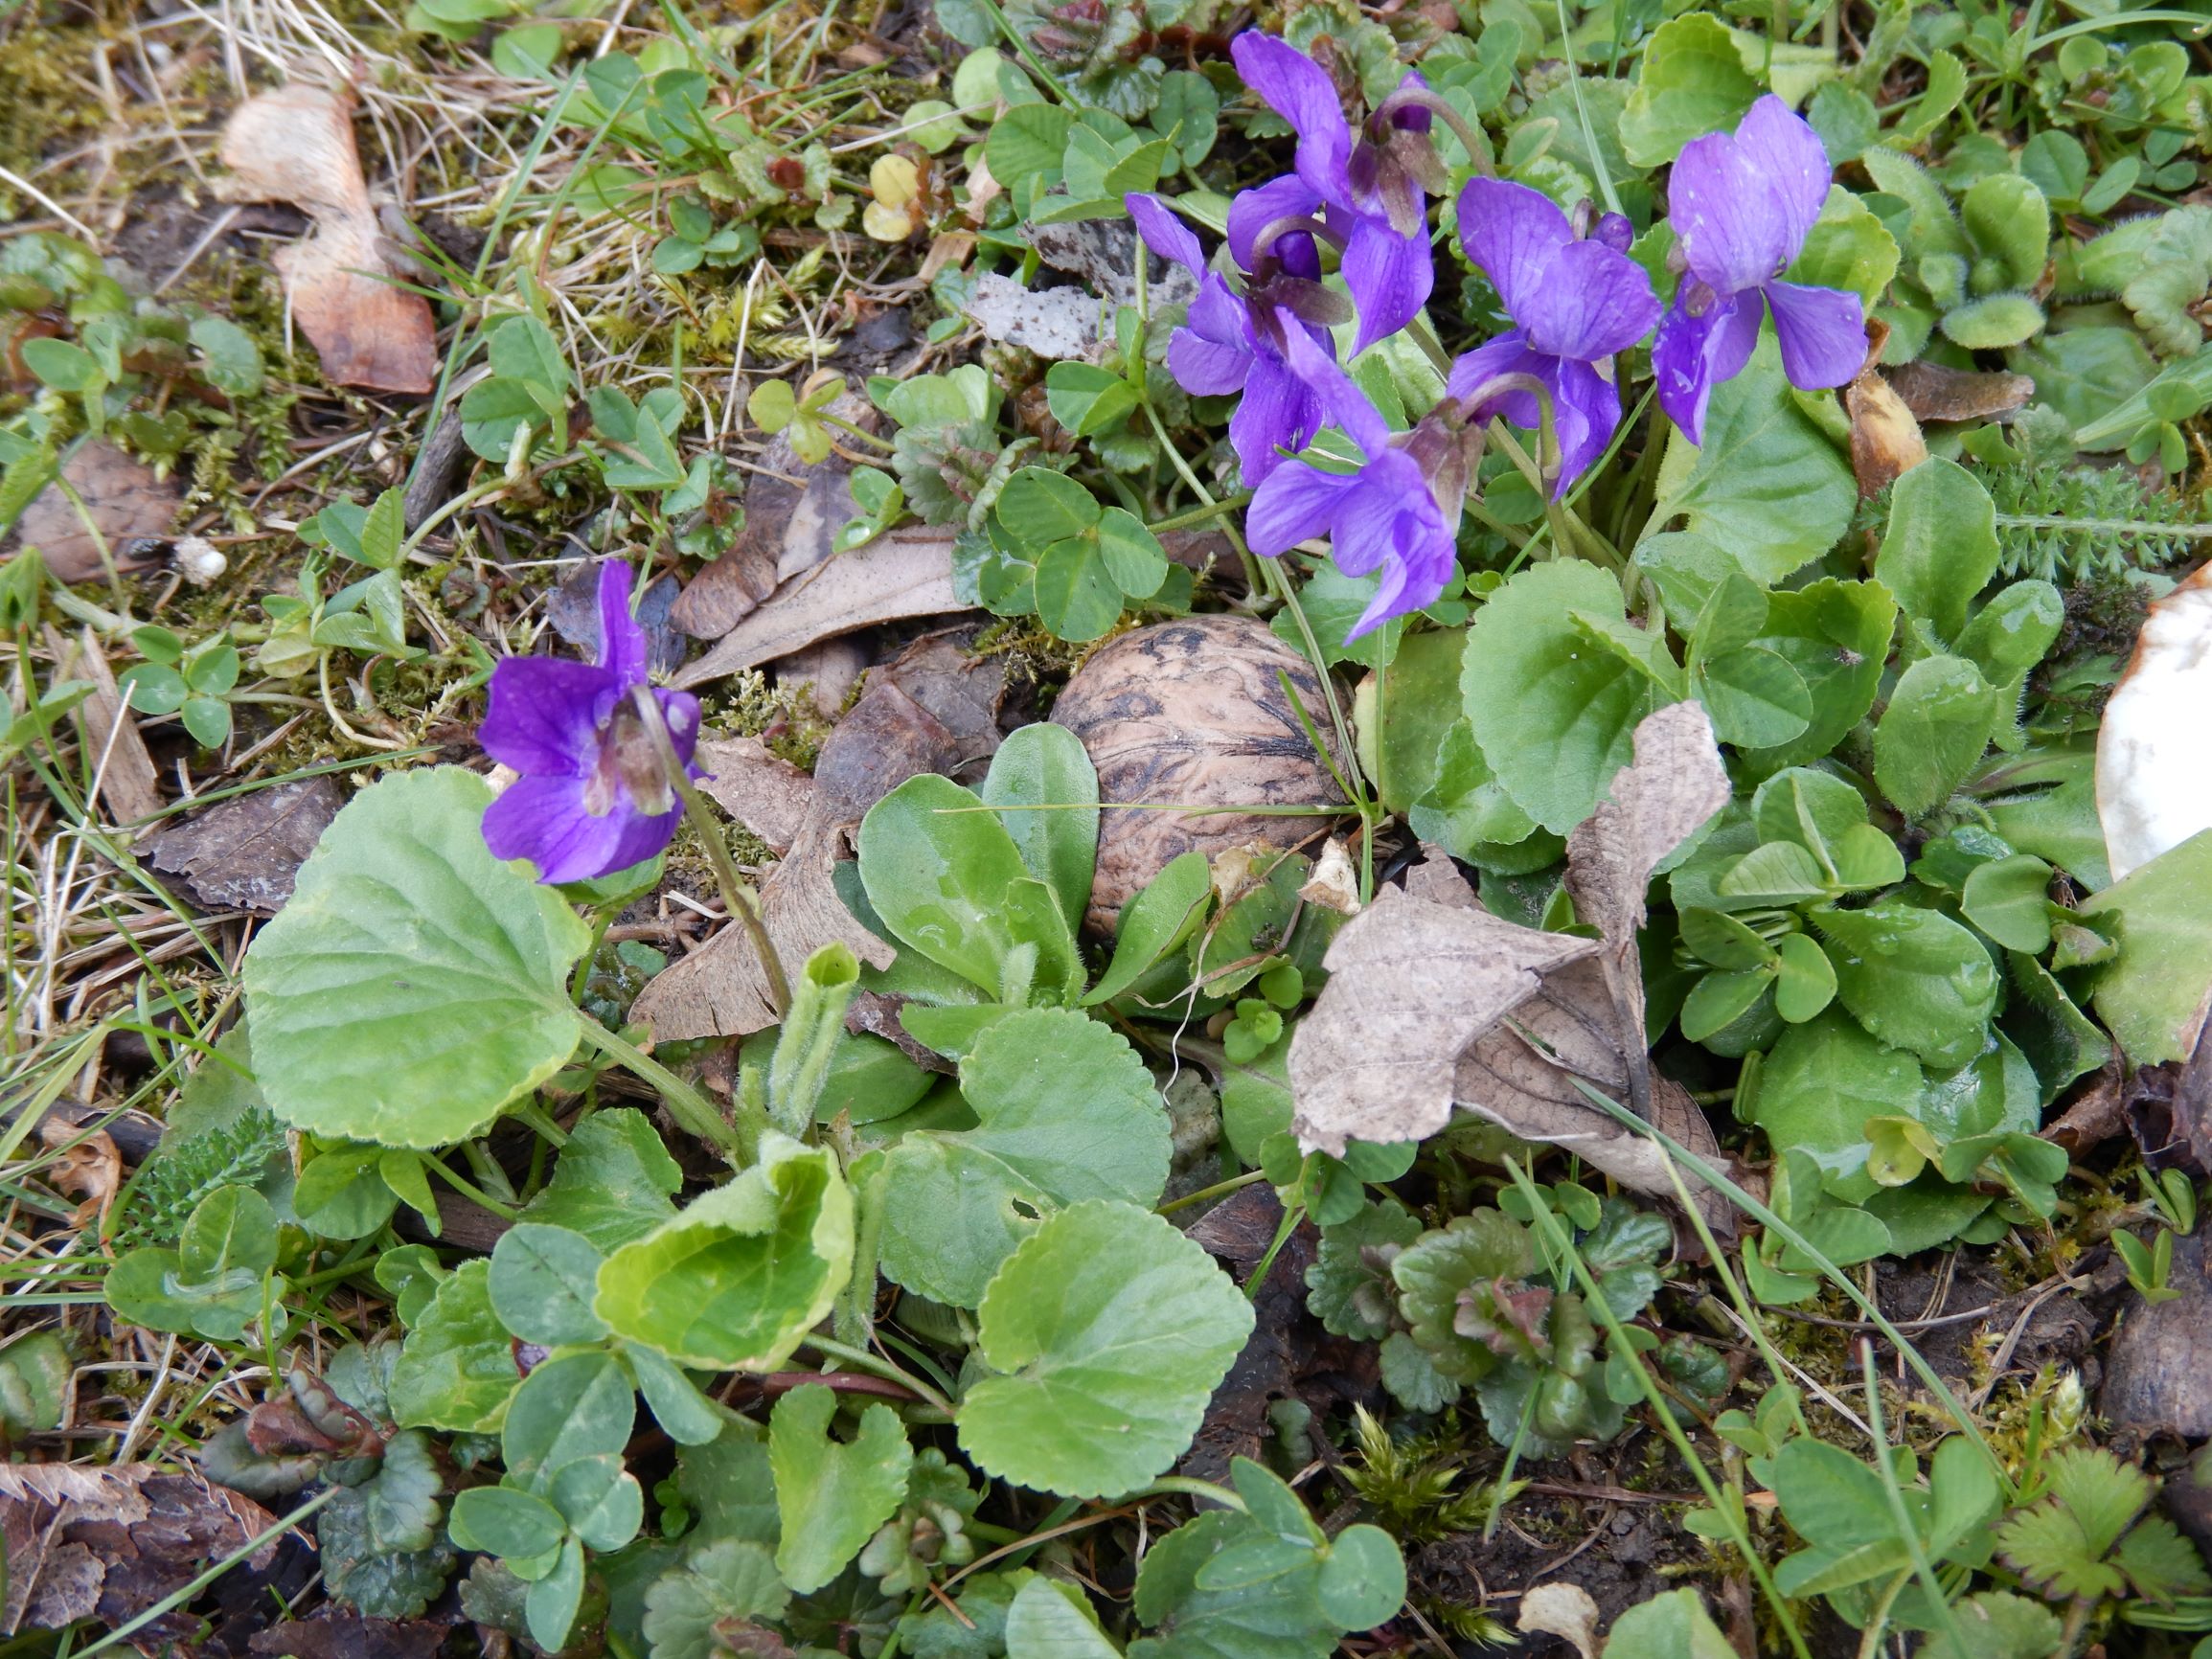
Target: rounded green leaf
(1836,634)
(543,1280)
(2009,899)
(938,868)
(1821,1084)
(1992,323)
(1719,1000)
(1077,597)
(1933,732)
(579,1405)
(1087,399)
(1914,978)
(1691,82)
(1553,710)
(1040,507)
(414,984)
(1756,698)
(736,1279)
(1108,1331)
(1362,1578)
(1159,917)
(503,1521)
(1046,791)
(2010,634)
(1133,555)
(1065,1111)
(1807,982)
(832,1494)
(2007,218)
(1046,1622)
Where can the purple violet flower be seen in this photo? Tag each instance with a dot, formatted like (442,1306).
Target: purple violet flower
(1374,190)
(1574,302)
(593,797)
(1234,342)
(1741,207)
(1395,512)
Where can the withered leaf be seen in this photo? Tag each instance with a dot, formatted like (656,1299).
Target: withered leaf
(296,145)
(336,1634)
(905,573)
(1932,392)
(129,786)
(1886,441)
(108,1543)
(574,613)
(763,791)
(245,853)
(1060,323)
(126,501)
(85,1166)
(1411,985)
(1675,783)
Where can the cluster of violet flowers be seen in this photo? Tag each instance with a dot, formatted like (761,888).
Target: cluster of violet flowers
(1741,206)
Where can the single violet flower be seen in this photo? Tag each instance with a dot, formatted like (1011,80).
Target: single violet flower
(1574,302)
(1399,512)
(594,796)
(1375,188)
(1234,342)
(1742,207)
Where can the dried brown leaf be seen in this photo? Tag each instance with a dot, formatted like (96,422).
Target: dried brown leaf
(1411,985)
(1931,392)
(763,791)
(1664,796)
(125,502)
(1885,440)
(1562,1610)
(334,1633)
(906,573)
(108,1543)
(296,145)
(1059,323)
(85,1166)
(128,785)
(245,853)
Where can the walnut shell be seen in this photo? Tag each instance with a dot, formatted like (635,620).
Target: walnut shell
(1194,712)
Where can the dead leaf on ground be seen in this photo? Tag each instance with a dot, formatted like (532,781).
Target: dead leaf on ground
(1562,1610)
(108,1543)
(829,671)
(2095,1115)
(245,853)
(2154,790)
(127,501)
(573,610)
(1057,322)
(1290,1355)
(85,1166)
(335,1634)
(934,709)
(129,786)
(1104,252)
(1193,712)
(1886,441)
(296,145)
(1334,884)
(1664,796)
(906,573)
(765,792)
(1432,1001)
(1932,392)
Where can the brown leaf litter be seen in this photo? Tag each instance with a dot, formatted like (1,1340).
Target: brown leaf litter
(108,1543)
(296,145)
(126,507)
(244,854)
(1433,1003)
(933,709)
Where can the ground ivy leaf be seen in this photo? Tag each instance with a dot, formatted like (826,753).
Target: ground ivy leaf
(1821,1082)
(1065,1111)
(1110,1330)
(832,1494)
(1348,1286)
(1553,712)
(612,1182)
(724,1583)
(736,1280)
(1692,82)
(1482,1248)
(1767,487)
(1914,978)
(457,1369)
(414,984)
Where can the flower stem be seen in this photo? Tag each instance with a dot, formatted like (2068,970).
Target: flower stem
(861,1359)
(690,1108)
(738,897)
(1213,509)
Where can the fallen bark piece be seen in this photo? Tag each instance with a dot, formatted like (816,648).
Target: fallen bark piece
(2154,791)
(108,1543)
(765,792)
(907,573)
(296,145)
(1194,713)
(1059,323)
(127,505)
(245,853)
